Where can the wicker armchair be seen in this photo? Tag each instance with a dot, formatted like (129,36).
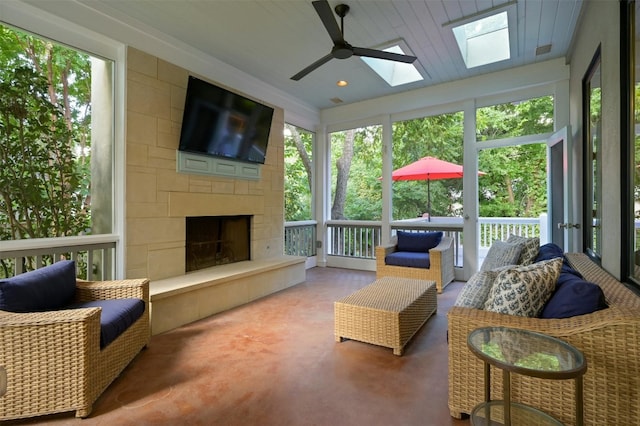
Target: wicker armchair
(53,359)
(441,270)
(608,338)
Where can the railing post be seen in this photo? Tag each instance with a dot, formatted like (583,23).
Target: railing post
(544,228)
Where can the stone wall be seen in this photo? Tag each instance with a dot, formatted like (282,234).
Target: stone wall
(158,198)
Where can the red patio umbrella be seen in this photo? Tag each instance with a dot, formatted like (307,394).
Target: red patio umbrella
(429,168)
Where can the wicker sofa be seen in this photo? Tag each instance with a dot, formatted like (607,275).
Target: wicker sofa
(440,271)
(54,361)
(609,339)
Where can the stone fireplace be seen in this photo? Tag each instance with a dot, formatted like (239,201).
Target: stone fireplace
(216,240)
(159,199)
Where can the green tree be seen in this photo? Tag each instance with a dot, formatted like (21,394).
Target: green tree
(515,181)
(298,173)
(356,169)
(44,138)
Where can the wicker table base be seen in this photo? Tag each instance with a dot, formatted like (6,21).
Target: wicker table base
(388,312)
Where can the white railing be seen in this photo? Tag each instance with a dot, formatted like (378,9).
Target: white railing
(300,238)
(345,238)
(94,255)
(499,228)
(353,238)
(358,239)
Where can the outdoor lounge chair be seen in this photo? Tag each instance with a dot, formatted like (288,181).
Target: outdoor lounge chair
(62,357)
(439,257)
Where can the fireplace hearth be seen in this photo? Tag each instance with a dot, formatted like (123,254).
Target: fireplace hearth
(216,240)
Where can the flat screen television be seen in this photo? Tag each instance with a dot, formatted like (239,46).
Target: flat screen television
(224,124)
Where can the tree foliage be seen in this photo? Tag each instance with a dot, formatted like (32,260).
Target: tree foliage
(298,148)
(44,134)
(356,168)
(513,184)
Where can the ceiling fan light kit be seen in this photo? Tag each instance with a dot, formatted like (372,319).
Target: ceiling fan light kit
(341,49)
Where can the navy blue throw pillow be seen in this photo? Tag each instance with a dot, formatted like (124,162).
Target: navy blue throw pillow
(573,296)
(551,251)
(418,241)
(47,288)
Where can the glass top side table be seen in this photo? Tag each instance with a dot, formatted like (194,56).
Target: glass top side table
(528,353)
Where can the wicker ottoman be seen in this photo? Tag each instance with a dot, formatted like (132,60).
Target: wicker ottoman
(387,312)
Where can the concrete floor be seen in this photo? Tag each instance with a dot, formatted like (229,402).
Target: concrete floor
(276,362)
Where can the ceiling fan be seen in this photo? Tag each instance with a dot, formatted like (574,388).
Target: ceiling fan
(341,49)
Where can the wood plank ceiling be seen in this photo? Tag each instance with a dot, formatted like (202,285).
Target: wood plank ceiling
(274,39)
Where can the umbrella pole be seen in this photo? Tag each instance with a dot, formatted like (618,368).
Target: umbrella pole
(429,200)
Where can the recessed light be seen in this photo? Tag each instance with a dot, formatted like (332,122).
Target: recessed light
(342,83)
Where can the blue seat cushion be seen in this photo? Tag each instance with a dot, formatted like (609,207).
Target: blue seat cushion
(45,289)
(418,241)
(573,296)
(116,317)
(408,258)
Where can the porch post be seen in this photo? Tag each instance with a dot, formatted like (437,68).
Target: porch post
(387,169)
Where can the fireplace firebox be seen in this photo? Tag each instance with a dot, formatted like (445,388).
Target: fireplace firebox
(216,240)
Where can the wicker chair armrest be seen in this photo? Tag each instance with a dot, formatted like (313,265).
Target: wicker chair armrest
(382,252)
(48,356)
(105,290)
(48,318)
(386,249)
(445,244)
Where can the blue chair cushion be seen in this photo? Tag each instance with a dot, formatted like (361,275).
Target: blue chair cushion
(408,258)
(45,289)
(420,242)
(573,296)
(117,316)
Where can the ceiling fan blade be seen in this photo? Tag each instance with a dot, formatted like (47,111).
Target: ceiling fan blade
(381,54)
(312,67)
(326,16)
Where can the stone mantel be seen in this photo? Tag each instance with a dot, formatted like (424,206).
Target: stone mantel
(196,204)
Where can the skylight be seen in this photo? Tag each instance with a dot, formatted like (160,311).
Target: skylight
(484,41)
(394,73)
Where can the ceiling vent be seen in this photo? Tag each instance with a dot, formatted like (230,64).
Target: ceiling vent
(541,50)
(336,100)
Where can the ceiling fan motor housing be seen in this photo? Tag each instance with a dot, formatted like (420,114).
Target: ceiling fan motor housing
(342,50)
(341,10)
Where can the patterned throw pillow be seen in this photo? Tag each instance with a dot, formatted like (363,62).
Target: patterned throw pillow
(501,254)
(530,248)
(523,290)
(475,292)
